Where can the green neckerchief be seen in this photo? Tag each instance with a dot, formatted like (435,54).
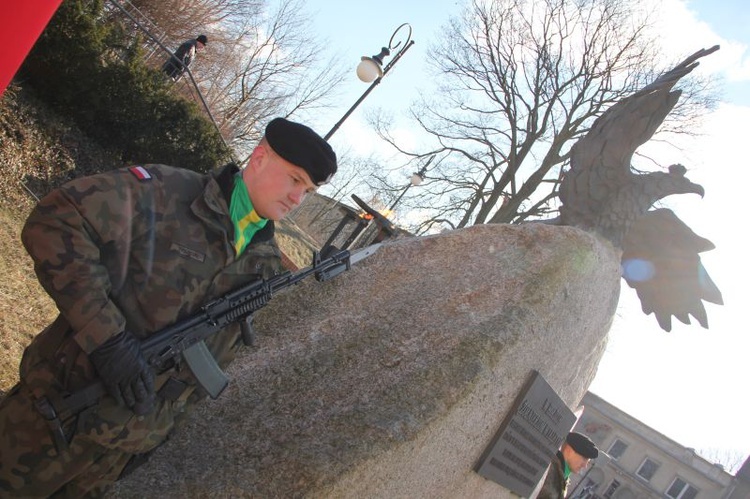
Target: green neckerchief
(566,470)
(246,220)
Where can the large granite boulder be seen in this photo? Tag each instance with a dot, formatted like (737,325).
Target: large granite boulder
(390,380)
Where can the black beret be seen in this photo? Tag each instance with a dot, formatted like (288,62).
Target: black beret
(302,147)
(582,445)
(202,39)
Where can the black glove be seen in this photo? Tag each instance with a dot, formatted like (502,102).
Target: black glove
(124,371)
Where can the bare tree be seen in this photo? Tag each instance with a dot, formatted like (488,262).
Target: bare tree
(272,68)
(729,459)
(520,82)
(261,60)
(180,20)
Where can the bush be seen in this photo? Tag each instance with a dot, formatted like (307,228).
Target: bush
(86,68)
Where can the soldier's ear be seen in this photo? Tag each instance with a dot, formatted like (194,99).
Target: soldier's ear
(255,163)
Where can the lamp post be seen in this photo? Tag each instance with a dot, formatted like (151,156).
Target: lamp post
(416,179)
(371,68)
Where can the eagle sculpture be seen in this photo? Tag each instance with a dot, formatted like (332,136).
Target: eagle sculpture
(603,194)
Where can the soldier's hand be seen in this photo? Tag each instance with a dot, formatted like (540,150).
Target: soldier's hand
(125,372)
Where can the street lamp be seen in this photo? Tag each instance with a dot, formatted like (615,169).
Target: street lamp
(416,179)
(371,69)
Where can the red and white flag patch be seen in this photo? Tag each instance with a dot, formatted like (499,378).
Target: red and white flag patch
(140,172)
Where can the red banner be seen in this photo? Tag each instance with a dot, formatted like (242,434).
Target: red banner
(21,23)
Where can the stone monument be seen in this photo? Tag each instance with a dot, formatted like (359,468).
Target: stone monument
(391,379)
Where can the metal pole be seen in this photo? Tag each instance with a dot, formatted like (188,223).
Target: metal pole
(370,88)
(420,173)
(399,197)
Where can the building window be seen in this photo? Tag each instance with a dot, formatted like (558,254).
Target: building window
(611,489)
(617,449)
(680,489)
(586,490)
(647,469)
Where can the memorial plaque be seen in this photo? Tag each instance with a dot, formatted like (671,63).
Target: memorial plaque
(528,438)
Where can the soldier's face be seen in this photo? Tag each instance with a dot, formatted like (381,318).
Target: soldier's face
(275,185)
(578,462)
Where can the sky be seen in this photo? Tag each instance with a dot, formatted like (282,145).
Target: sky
(690,384)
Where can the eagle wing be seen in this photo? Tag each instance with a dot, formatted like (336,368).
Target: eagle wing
(661,261)
(598,188)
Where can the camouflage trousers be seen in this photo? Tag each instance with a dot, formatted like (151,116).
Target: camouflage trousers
(100,443)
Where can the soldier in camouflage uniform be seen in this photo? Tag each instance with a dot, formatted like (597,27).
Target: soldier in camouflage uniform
(573,457)
(124,254)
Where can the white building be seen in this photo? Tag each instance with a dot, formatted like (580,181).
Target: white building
(640,462)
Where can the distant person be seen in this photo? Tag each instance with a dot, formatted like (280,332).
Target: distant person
(573,457)
(183,56)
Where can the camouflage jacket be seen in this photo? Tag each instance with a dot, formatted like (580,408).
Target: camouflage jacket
(135,248)
(555,484)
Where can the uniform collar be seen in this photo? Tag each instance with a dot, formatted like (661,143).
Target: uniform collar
(222,189)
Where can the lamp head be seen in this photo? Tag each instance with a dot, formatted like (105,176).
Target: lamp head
(371,68)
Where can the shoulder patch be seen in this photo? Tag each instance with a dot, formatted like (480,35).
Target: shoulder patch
(140,173)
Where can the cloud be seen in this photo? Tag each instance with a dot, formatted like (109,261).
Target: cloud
(682,32)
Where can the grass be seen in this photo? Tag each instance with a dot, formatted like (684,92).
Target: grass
(25,309)
(31,157)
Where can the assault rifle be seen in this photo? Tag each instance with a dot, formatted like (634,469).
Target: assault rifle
(186,337)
